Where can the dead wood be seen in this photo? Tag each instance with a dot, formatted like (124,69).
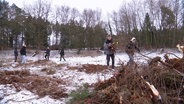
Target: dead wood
(127,87)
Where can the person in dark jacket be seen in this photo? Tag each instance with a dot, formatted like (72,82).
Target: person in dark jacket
(15,54)
(62,53)
(47,53)
(130,49)
(23,54)
(109,50)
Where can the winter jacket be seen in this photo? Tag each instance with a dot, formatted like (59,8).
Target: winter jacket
(61,52)
(108,49)
(15,52)
(131,48)
(23,51)
(47,52)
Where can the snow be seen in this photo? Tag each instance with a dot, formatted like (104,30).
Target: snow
(9,95)
(24,97)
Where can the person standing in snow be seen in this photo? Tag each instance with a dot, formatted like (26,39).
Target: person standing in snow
(130,49)
(109,50)
(23,54)
(47,53)
(62,53)
(15,54)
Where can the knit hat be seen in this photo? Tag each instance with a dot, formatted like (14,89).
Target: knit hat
(133,39)
(24,45)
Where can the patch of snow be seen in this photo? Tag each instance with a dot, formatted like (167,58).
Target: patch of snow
(74,78)
(10,96)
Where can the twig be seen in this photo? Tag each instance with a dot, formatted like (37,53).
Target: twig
(173,55)
(182,74)
(168,65)
(150,52)
(144,56)
(181,86)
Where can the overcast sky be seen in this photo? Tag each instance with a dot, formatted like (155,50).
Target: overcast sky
(107,6)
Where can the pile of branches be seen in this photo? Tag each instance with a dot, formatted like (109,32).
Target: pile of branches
(159,82)
(39,85)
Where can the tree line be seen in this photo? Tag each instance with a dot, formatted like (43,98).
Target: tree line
(155,24)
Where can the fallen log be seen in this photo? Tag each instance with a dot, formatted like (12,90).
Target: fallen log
(156,95)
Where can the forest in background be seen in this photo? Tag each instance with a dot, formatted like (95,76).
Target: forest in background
(155,24)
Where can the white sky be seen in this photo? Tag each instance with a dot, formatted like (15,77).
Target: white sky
(106,6)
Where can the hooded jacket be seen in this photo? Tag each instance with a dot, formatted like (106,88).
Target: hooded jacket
(23,51)
(131,48)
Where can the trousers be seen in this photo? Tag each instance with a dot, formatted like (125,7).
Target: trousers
(108,57)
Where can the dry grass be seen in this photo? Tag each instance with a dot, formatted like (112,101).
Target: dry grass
(89,68)
(43,63)
(49,70)
(39,85)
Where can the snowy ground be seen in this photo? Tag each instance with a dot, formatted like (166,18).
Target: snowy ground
(8,94)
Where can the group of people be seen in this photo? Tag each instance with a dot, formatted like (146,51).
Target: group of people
(61,52)
(47,54)
(109,50)
(22,53)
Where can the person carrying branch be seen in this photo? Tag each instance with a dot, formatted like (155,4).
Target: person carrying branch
(109,50)
(130,49)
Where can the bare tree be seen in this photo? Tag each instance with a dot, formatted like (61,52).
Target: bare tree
(74,14)
(176,8)
(115,21)
(39,9)
(55,27)
(64,13)
(88,17)
(110,27)
(125,19)
(97,17)
(137,12)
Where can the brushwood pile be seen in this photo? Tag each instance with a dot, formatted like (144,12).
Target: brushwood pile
(130,84)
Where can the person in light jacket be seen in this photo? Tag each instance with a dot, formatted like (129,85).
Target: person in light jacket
(109,50)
